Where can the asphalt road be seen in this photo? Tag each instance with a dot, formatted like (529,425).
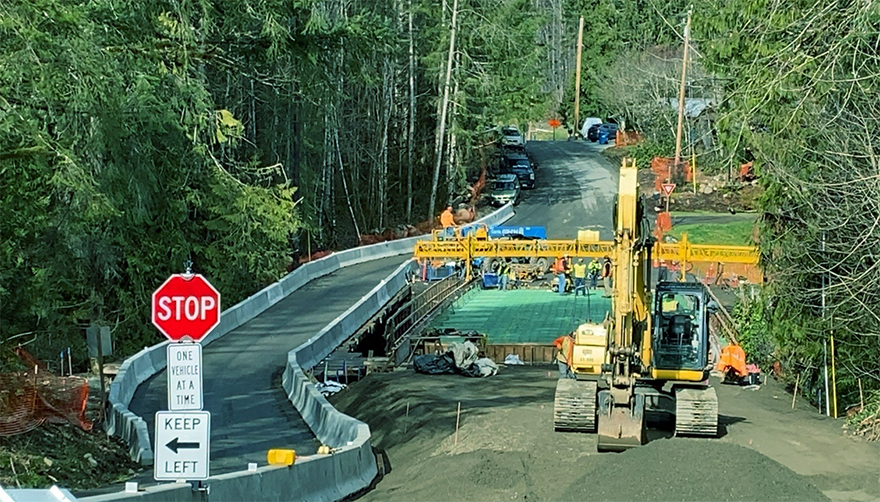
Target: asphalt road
(575,190)
(242,370)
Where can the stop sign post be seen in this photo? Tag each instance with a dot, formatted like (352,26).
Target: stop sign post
(186,305)
(185,309)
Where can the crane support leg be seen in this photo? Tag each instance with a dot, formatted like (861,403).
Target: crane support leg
(621,424)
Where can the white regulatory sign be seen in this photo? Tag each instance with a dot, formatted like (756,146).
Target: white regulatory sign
(182,445)
(184,376)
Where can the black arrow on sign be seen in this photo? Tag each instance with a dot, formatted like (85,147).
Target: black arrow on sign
(174,445)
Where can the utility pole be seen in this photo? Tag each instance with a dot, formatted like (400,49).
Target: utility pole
(577,79)
(684,59)
(442,135)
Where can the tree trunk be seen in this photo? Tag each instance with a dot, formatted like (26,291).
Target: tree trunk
(452,164)
(442,133)
(348,203)
(410,135)
(388,85)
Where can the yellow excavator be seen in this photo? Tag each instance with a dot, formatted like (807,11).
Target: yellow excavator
(650,354)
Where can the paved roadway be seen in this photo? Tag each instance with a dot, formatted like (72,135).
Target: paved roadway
(575,189)
(242,370)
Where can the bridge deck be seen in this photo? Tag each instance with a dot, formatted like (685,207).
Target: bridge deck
(536,316)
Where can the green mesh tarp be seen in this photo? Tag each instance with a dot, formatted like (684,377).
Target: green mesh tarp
(521,315)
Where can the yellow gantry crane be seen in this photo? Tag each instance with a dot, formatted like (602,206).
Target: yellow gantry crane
(476,244)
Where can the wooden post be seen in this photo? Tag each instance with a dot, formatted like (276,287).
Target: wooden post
(577,78)
(406,418)
(101,372)
(833,378)
(457,416)
(794,396)
(681,89)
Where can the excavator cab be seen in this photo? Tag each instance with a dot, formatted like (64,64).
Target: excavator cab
(681,330)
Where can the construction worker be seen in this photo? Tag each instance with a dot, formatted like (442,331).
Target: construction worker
(560,267)
(565,346)
(511,276)
(579,272)
(447,221)
(595,268)
(607,270)
(503,276)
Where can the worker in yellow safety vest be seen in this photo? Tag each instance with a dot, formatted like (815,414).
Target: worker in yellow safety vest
(565,346)
(579,271)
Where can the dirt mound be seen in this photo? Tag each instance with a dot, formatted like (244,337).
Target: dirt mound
(691,470)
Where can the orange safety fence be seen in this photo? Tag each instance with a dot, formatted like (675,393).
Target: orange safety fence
(663,166)
(717,274)
(29,398)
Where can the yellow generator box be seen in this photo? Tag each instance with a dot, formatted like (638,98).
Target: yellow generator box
(589,348)
(588,235)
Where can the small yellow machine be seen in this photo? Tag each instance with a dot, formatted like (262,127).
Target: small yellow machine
(650,361)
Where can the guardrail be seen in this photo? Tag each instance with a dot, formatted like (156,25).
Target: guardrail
(146,363)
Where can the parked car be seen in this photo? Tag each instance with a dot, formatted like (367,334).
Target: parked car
(512,157)
(509,156)
(523,170)
(505,189)
(511,136)
(595,130)
(588,123)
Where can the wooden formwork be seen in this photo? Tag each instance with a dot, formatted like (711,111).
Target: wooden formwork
(529,353)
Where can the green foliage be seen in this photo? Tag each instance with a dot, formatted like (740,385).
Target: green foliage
(137,135)
(645,151)
(116,166)
(753,330)
(801,94)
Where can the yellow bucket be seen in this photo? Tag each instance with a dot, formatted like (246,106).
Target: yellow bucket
(281,457)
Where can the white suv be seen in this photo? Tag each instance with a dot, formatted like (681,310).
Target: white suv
(511,136)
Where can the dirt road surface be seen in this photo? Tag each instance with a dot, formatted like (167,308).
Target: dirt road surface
(506,448)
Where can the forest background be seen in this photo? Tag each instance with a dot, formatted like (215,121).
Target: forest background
(137,135)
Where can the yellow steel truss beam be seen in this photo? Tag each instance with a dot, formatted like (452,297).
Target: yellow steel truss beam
(466,248)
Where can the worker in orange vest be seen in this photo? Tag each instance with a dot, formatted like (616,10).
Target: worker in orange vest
(447,221)
(565,346)
(446,218)
(560,267)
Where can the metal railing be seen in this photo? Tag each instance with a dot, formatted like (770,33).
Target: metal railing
(411,316)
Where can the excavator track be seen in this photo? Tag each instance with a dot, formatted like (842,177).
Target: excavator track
(696,412)
(574,408)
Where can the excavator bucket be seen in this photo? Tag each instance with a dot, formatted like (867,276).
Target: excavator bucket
(620,426)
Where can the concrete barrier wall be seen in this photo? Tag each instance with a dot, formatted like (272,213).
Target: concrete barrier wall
(330,426)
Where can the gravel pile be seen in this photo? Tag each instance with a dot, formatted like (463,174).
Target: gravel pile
(691,470)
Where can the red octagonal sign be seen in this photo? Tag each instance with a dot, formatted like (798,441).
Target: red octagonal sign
(186,305)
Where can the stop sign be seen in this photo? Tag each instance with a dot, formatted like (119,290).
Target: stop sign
(186,305)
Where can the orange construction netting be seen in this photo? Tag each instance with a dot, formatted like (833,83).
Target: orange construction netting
(30,398)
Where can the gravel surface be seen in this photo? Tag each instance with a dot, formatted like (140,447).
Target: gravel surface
(693,469)
(506,447)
